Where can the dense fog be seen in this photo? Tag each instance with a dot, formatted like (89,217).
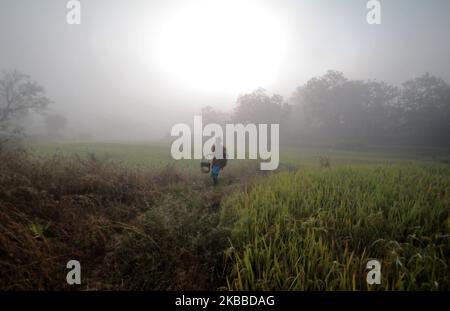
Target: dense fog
(130,70)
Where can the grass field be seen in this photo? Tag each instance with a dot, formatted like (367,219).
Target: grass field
(316,229)
(136,219)
(158,155)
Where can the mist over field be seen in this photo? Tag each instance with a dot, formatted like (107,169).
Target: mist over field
(342,110)
(113,77)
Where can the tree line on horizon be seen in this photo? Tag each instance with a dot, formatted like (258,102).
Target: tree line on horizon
(326,110)
(336,111)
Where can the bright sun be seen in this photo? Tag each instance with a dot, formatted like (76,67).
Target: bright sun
(221,46)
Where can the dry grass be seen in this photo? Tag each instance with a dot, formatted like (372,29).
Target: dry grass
(130,228)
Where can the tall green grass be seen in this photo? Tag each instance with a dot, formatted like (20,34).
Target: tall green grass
(316,229)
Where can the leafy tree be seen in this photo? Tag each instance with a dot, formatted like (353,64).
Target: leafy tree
(333,108)
(211,115)
(426,104)
(259,107)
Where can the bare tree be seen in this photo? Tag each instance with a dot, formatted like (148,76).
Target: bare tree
(18,96)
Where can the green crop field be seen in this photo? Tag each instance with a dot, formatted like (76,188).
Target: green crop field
(136,219)
(317,229)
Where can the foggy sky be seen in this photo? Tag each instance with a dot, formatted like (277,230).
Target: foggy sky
(103,76)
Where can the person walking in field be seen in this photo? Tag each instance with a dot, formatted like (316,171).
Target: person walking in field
(219,160)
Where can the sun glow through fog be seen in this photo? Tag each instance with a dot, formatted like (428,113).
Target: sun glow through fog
(221,46)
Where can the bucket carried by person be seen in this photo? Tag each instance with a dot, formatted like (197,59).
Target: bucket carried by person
(205,164)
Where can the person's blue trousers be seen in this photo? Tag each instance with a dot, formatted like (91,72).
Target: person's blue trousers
(215,173)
